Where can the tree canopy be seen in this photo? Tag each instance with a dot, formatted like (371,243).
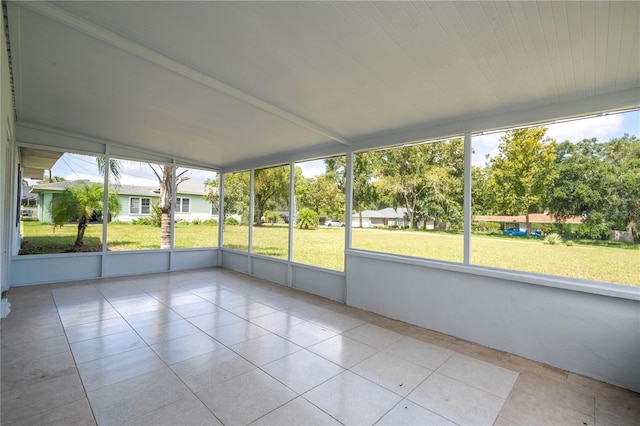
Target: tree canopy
(81,201)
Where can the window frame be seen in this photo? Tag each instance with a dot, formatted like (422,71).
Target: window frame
(180,206)
(140,206)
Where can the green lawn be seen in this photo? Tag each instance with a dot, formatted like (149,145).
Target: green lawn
(325,247)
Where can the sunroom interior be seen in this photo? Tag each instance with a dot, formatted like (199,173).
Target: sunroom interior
(230,87)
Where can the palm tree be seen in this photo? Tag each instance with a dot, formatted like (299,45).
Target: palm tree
(164,175)
(81,200)
(114,167)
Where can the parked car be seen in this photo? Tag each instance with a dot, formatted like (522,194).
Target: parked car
(515,232)
(332,222)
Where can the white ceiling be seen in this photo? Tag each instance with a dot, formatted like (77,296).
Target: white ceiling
(226,82)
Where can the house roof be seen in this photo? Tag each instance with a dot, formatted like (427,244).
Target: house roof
(186,187)
(533,218)
(231,83)
(386,213)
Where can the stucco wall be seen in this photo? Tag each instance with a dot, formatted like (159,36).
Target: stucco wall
(591,334)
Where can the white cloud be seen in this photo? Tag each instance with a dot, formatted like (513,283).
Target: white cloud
(604,128)
(312,168)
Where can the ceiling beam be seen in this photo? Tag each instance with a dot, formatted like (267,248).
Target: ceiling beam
(72,21)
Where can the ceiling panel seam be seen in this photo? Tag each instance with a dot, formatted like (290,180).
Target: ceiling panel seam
(122,43)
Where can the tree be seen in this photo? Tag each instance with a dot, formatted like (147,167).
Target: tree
(579,171)
(365,168)
(270,191)
(624,197)
(426,179)
(483,199)
(236,195)
(165,179)
(601,182)
(114,167)
(323,196)
(81,200)
(53,179)
(522,171)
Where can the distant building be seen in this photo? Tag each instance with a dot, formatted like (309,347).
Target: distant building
(137,201)
(520,221)
(384,217)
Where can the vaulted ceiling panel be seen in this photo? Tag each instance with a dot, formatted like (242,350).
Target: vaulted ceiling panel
(328,72)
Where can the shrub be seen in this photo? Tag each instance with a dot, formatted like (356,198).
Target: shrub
(142,221)
(271,216)
(553,239)
(231,221)
(307,219)
(209,222)
(196,221)
(569,243)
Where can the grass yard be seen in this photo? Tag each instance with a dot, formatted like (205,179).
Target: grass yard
(325,247)
(41,238)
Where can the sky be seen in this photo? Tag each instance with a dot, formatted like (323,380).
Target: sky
(604,127)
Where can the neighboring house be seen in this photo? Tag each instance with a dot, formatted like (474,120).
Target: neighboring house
(137,201)
(520,221)
(385,217)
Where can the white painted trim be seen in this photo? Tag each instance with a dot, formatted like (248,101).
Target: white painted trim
(43,137)
(565,283)
(608,102)
(89,28)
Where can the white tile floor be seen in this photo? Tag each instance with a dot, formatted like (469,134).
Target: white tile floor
(217,347)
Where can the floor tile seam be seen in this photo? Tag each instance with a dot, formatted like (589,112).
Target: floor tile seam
(503,399)
(502,356)
(28,340)
(114,354)
(513,386)
(73,357)
(552,402)
(190,333)
(4,365)
(319,408)
(77,375)
(216,383)
(273,360)
(404,398)
(291,400)
(444,415)
(424,366)
(391,390)
(476,387)
(29,415)
(346,368)
(308,390)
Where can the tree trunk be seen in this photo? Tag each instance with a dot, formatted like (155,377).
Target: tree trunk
(165,229)
(82,226)
(528,225)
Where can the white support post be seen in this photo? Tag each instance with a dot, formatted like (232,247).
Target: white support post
(292,209)
(105,210)
(348,212)
(220,216)
(251,212)
(467,198)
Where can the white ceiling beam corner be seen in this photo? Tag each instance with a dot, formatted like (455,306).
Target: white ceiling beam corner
(72,21)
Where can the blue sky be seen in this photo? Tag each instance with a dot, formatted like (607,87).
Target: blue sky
(604,127)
